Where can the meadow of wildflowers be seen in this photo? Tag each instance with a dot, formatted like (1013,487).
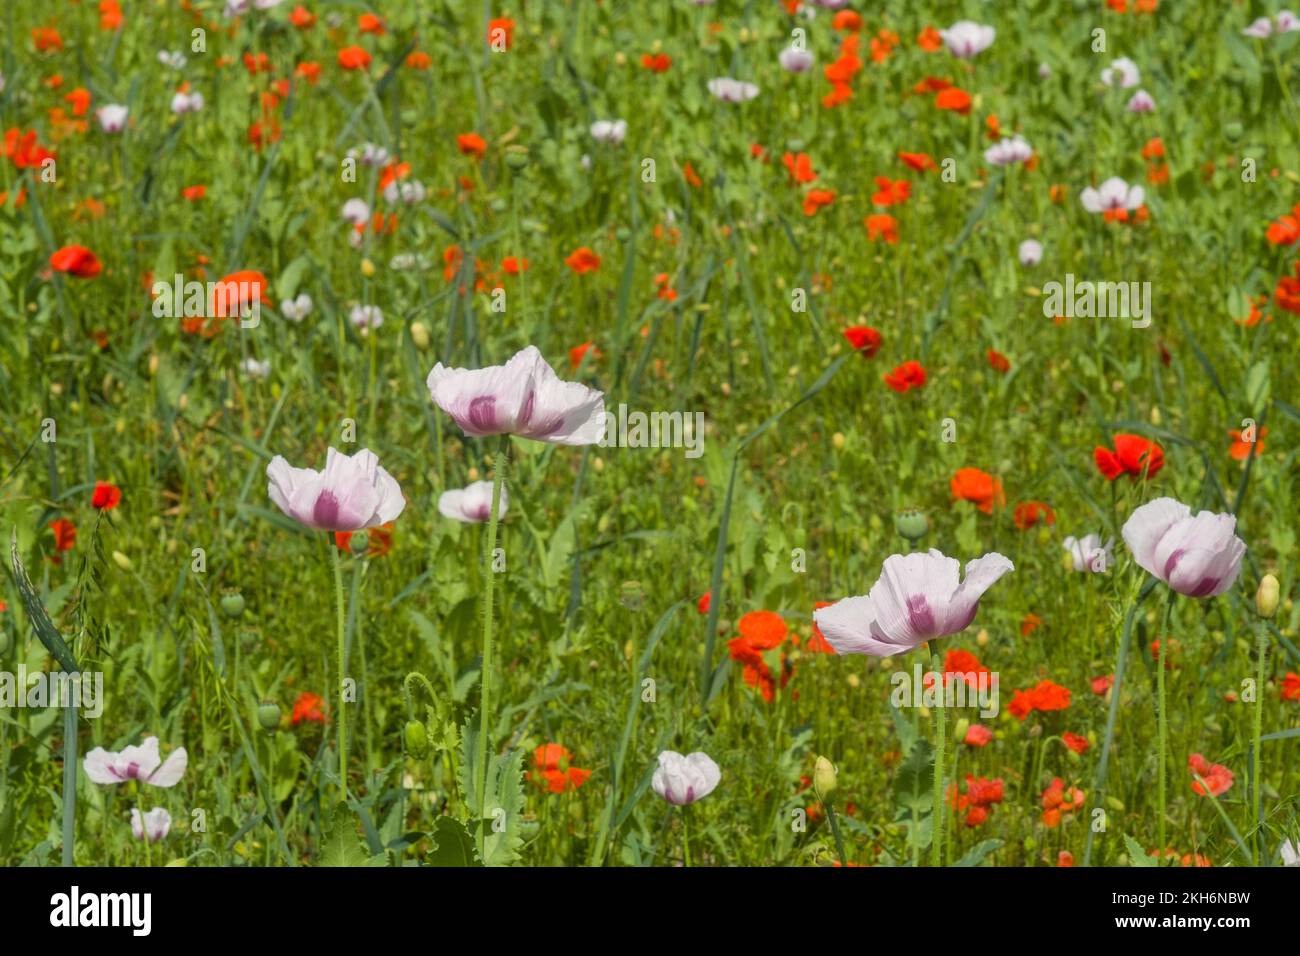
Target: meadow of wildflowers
(688,433)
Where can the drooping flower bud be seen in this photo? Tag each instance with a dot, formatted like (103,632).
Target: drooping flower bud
(417,739)
(824,777)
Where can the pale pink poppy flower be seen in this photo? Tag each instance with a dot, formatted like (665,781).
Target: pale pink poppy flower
(1113,194)
(1261,29)
(684,779)
(408,192)
(112,117)
(140,763)
(1031,252)
(965,38)
(1088,554)
(796,61)
(352,493)
(1142,102)
(732,91)
(355,211)
(1005,152)
(1196,555)
(187,103)
(524,397)
(918,597)
(153,825)
(471,504)
(296,309)
(366,317)
(1287,22)
(609,132)
(1123,73)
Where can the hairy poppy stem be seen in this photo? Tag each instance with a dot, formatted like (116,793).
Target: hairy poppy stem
(1162,724)
(341,716)
(485,675)
(1261,646)
(940,732)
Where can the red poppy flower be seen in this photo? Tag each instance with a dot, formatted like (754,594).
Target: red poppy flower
(105,496)
(656,62)
(308,707)
(977,735)
(354,58)
(864,339)
(882,226)
(1240,448)
(1045,696)
(1134,455)
(891,192)
(1218,778)
(1029,513)
(907,376)
(194,193)
(371,23)
(552,770)
(817,643)
(702,605)
(578,352)
(953,99)
(501,32)
(65,534)
(471,144)
(583,260)
(76,260)
(998,362)
(1287,293)
(1075,742)
(1291,686)
(979,487)
(302,18)
(816,199)
(930,40)
(237,291)
(1286,230)
(918,161)
(799,166)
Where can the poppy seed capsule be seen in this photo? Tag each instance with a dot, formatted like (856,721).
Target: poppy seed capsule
(911,523)
(499,205)
(268,716)
(359,543)
(1267,597)
(232,604)
(517,161)
(417,739)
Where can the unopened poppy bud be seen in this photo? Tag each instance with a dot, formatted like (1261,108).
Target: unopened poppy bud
(232,604)
(824,777)
(794,145)
(499,205)
(420,335)
(1232,131)
(623,234)
(837,440)
(911,523)
(268,716)
(367,268)
(1115,804)
(982,638)
(517,160)
(963,726)
(417,739)
(1268,596)
(122,560)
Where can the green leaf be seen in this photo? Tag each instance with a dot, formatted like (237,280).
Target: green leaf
(977,854)
(1136,855)
(45,630)
(454,846)
(914,782)
(342,846)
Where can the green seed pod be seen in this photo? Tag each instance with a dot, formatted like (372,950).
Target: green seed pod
(499,205)
(268,716)
(232,604)
(359,543)
(794,145)
(1232,131)
(420,335)
(823,777)
(623,233)
(517,161)
(911,523)
(417,739)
